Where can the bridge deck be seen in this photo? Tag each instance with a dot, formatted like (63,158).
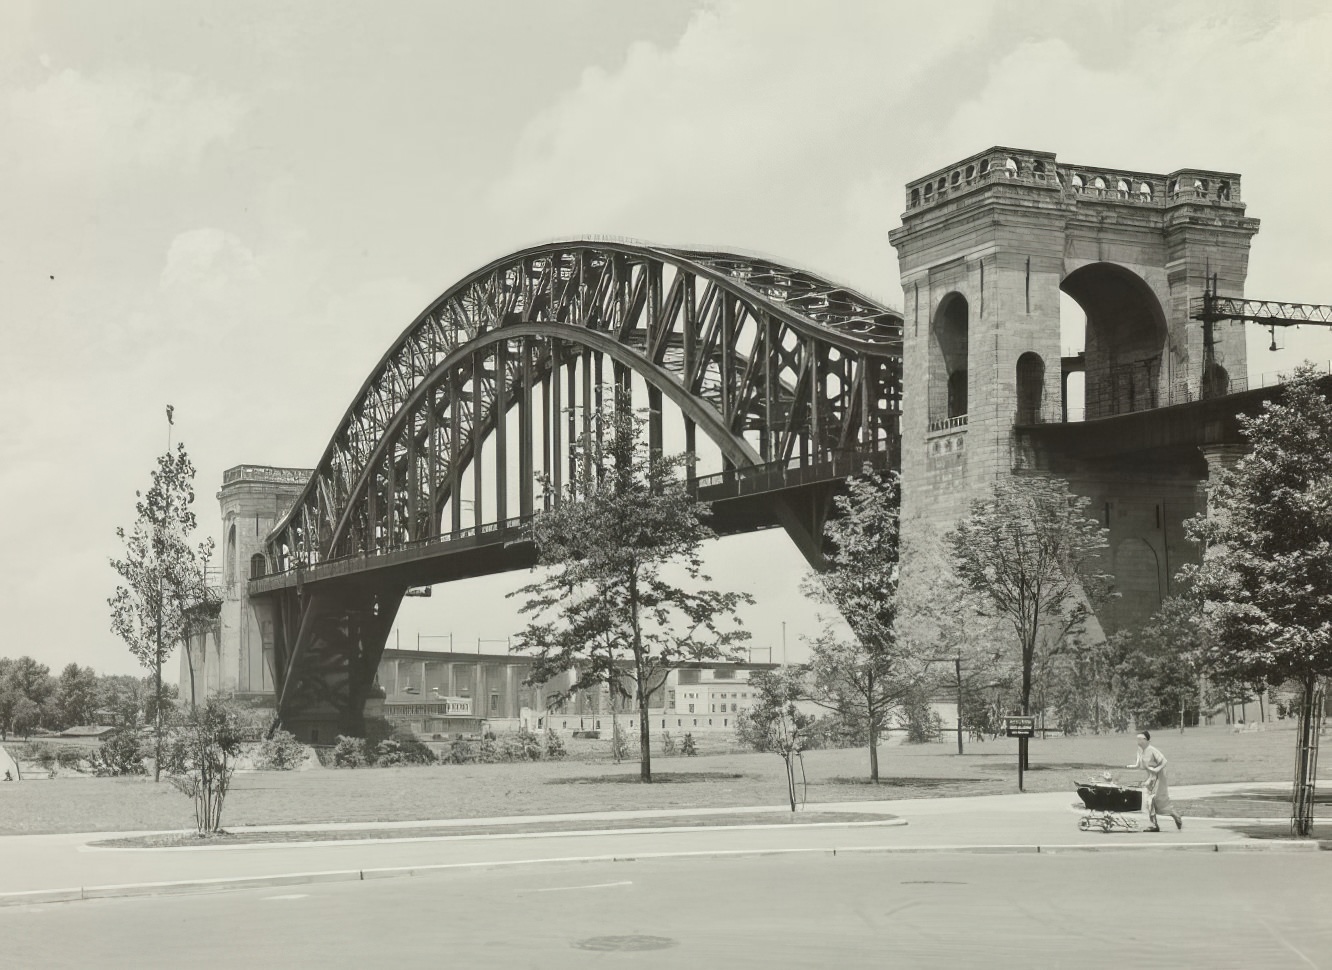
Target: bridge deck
(741,501)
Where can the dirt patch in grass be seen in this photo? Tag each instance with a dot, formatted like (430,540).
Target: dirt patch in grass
(191,840)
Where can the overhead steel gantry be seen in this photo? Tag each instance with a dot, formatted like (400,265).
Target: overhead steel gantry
(784,372)
(1212,309)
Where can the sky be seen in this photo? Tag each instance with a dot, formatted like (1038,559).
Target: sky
(234,208)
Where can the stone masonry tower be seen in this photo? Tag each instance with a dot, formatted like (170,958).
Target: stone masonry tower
(985,248)
(238,656)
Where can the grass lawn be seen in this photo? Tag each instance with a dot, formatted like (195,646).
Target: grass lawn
(588,782)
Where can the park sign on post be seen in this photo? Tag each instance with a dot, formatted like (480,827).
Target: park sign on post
(1020,726)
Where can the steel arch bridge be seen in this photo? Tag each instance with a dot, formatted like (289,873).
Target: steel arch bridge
(794,381)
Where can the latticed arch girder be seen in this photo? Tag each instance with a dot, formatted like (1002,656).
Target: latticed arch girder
(773,364)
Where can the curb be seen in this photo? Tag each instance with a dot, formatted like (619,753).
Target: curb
(189,887)
(464,836)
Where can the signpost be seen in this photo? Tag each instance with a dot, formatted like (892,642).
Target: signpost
(1022,727)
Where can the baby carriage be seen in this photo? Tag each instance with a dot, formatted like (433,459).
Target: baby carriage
(1106,804)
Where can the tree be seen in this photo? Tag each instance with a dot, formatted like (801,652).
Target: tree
(1034,556)
(607,543)
(866,679)
(23,679)
(1266,574)
(162,573)
(944,619)
(775,722)
(200,758)
(76,696)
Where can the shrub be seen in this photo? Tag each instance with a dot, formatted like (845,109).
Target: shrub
(923,725)
(281,752)
(554,745)
(668,745)
(349,753)
(200,758)
(461,752)
(42,753)
(118,755)
(525,745)
(71,758)
(488,752)
(687,747)
(389,753)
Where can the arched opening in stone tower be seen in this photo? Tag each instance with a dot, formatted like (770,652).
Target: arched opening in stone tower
(1030,388)
(948,359)
(1125,339)
(1216,381)
(231,556)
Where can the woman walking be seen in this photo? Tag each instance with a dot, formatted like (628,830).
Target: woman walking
(1158,790)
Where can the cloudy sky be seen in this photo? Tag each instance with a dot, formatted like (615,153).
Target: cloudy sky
(235,207)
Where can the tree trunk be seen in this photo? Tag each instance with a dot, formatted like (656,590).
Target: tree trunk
(790,781)
(157,707)
(644,738)
(1028,652)
(1306,761)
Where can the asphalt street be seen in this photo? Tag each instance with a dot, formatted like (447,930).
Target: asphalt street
(1083,910)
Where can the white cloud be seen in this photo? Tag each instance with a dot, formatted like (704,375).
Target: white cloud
(72,122)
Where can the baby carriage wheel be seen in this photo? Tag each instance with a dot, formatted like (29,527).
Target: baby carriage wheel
(1084,824)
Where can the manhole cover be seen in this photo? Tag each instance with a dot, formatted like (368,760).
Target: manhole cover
(621,943)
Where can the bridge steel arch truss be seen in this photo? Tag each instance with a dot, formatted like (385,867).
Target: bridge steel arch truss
(775,365)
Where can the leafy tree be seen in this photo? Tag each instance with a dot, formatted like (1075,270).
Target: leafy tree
(162,574)
(200,758)
(607,543)
(118,754)
(26,717)
(775,722)
(944,619)
(75,698)
(1157,666)
(26,689)
(866,679)
(1034,556)
(1266,575)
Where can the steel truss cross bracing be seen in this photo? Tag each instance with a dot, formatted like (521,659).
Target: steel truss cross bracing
(779,369)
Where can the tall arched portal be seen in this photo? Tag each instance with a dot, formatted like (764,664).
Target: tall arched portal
(1127,368)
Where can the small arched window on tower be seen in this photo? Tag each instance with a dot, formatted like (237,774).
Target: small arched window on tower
(915,198)
(1145,191)
(1122,187)
(1098,184)
(1223,192)
(1011,167)
(929,191)
(1030,388)
(1038,170)
(258,566)
(1076,182)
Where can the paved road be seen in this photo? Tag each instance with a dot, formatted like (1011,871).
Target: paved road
(1089,911)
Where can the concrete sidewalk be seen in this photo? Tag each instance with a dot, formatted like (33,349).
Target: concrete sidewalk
(43,868)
